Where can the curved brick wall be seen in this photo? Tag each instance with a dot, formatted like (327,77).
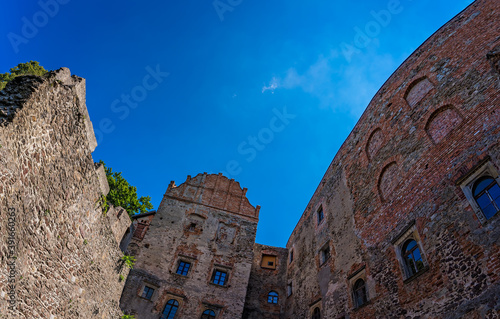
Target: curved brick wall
(398,176)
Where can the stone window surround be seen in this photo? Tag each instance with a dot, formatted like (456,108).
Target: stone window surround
(359,274)
(186,259)
(218,309)
(315,304)
(151,286)
(409,232)
(484,168)
(221,268)
(265,254)
(323,261)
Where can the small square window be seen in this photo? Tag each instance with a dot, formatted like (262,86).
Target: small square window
(320,214)
(268,261)
(219,277)
(147,293)
(183,268)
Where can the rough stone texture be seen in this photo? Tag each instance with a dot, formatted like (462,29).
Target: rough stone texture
(67,261)
(370,206)
(208,222)
(264,280)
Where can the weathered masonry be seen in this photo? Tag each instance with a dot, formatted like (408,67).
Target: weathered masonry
(404,224)
(195,255)
(63,258)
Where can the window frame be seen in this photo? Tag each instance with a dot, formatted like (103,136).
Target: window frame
(274,298)
(325,253)
(183,261)
(214,274)
(316,313)
(145,286)
(320,214)
(267,256)
(409,233)
(209,315)
(356,291)
(176,304)
(467,183)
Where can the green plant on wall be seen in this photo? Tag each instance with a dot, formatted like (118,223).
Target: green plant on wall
(129,261)
(28,68)
(128,317)
(122,194)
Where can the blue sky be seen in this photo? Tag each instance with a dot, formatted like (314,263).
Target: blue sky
(264,91)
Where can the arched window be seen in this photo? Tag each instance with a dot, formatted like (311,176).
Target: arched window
(487,195)
(272,297)
(412,257)
(359,290)
(208,314)
(316,313)
(170,309)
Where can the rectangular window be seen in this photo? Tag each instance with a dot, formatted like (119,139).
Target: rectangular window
(183,268)
(219,277)
(324,254)
(147,293)
(289,289)
(321,216)
(291,256)
(268,261)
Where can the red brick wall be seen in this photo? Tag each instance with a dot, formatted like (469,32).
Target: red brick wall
(404,181)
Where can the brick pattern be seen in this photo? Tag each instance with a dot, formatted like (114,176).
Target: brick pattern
(433,148)
(208,222)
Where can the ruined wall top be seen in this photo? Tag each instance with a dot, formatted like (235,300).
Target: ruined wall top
(214,190)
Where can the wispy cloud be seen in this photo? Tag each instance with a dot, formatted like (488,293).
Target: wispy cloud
(273,85)
(337,84)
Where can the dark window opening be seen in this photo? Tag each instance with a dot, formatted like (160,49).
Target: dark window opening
(183,268)
(412,257)
(219,277)
(170,309)
(291,256)
(359,292)
(272,297)
(324,254)
(316,313)
(487,195)
(321,216)
(147,293)
(208,314)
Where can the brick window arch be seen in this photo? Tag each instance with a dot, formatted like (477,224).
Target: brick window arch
(487,196)
(208,314)
(170,309)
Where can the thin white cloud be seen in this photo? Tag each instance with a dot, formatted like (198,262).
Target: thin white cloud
(338,84)
(273,85)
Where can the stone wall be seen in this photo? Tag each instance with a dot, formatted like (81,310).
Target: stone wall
(63,257)
(263,280)
(207,222)
(399,176)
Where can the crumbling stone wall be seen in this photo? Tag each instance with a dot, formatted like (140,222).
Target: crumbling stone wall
(264,280)
(63,257)
(398,175)
(208,222)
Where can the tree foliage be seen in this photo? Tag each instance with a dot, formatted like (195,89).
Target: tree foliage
(31,68)
(121,193)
